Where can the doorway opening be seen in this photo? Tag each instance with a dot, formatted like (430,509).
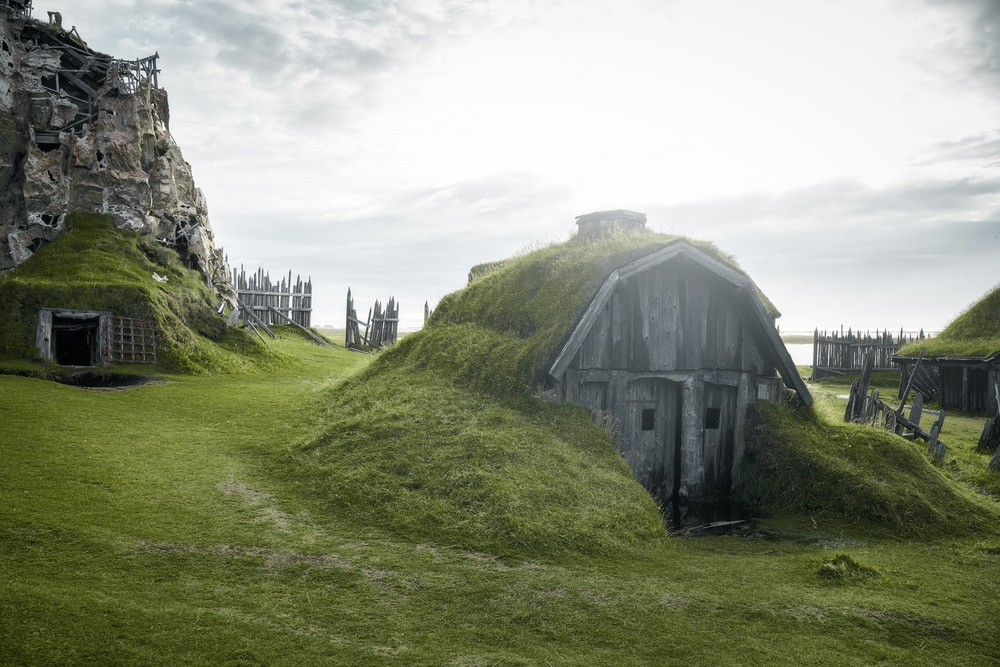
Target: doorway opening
(73,337)
(75,341)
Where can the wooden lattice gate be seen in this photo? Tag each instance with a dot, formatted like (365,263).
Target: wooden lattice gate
(131,340)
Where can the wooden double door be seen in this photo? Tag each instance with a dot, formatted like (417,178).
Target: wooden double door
(672,458)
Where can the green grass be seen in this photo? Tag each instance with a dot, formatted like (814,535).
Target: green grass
(427,507)
(964,464)
(160,525)
(96,267)
(514,316)
(802,464)
(974,333)
(425,459)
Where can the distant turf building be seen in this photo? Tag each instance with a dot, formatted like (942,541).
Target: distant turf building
(671,350)
(961,366)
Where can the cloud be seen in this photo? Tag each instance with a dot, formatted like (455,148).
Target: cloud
(983,148)
(961,49)
(383,143)
(977,40)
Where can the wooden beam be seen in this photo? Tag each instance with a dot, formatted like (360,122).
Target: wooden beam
(299,326)
(83,85)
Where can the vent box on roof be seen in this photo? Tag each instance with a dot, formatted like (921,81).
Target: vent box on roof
(602,222)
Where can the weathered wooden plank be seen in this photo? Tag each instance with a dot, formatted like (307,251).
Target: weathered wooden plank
(917,409)
(582,328)
(297,325)
(934,446)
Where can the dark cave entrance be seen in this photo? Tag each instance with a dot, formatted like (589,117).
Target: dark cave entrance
(73,337)
(75,341)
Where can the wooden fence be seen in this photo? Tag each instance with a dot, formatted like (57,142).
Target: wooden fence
(839,353)
(865,408)
(381,327)
(274,303)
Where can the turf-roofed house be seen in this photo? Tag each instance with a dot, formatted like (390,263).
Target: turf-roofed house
(673,347)
(960,367)
(663,339)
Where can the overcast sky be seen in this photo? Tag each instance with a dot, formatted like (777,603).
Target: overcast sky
(846,152)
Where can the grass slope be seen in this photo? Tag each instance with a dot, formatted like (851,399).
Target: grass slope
(149,526)
(799,464)
(974,333)
(96,267)
(413,453)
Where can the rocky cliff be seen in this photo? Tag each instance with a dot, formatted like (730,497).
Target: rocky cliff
(82,131)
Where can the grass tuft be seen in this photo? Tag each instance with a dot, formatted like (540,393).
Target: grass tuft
(843,569)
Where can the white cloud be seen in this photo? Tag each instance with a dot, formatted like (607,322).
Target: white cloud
(393,144)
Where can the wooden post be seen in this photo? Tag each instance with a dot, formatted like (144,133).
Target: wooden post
(917,409)
(909,382)
(934,446)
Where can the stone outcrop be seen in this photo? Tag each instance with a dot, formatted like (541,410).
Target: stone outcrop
(81,131)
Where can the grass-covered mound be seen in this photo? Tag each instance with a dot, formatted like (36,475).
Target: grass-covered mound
(798,464)
(408,449)
(444,439)
(974,333)
(96,267)
(530,304)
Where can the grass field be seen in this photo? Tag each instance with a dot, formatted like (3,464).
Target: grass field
(157,526)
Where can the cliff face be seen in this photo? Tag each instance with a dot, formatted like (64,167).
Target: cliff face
(81,131)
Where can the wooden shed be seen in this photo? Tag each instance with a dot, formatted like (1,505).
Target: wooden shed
(960,367)
(671,351)
(969,384)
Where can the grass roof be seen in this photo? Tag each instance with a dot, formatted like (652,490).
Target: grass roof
(527,306)
(974,333)
(94,266)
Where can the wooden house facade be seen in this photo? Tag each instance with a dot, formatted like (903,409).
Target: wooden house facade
(969,384)
(670,352)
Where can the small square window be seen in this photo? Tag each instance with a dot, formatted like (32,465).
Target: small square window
(712,417)
(648,419)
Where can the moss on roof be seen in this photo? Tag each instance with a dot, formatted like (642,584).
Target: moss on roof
(501,331)
(974,333)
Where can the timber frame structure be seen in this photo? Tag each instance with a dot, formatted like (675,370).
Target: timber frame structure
(670,353)
(82,73)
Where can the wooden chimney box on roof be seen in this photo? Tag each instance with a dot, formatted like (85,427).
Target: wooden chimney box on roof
(602,222)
